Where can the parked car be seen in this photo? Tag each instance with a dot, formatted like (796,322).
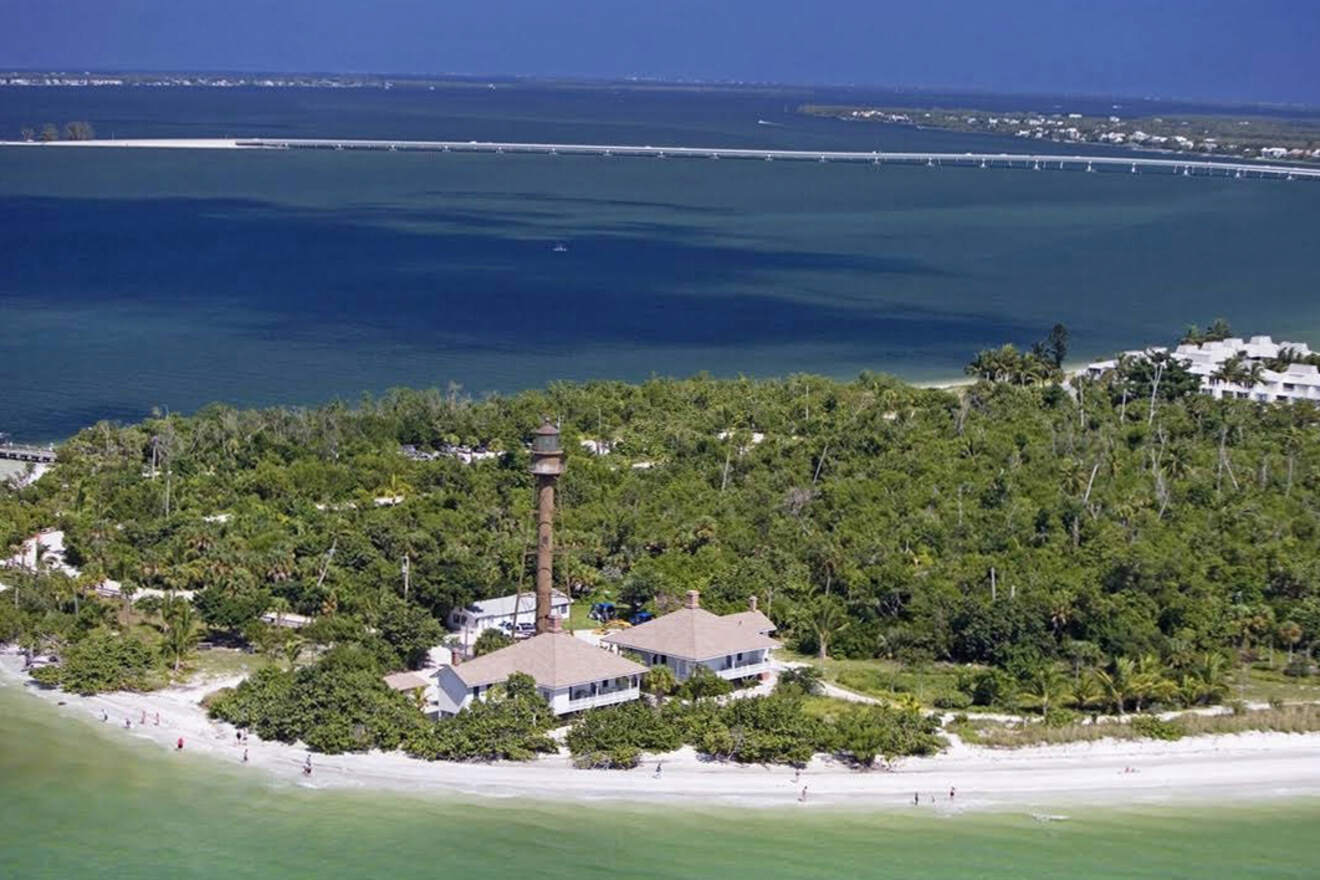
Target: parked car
(640,617)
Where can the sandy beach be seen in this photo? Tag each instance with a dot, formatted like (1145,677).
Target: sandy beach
(1211,769)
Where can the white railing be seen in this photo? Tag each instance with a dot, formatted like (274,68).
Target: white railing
(744,670)
(608,698)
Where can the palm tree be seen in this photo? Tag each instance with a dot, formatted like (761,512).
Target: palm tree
(1045,687)
(1149,682)
(1116,682)
(1290,633)
(1087,692)
(1206,681)
(181,630)
(825,617)
(1233,371)
(293,649)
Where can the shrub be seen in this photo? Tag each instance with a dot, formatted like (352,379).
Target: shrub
(659,680)
(489,641)
(102,662)
(511,724)
(616,736)
(800,680)
(337,704)
(866,732)
(764,730)
(1300,667)
(988,687)
(703,683)
(1153,728)
(955,700)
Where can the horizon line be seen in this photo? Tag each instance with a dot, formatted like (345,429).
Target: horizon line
(636,80)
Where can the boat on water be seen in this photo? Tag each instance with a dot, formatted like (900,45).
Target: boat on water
(560,248)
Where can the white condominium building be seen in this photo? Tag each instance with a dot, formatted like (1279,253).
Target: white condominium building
(1298,381)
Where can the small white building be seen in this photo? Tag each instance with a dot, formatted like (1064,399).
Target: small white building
(501,613)
(732,646)
(571,674)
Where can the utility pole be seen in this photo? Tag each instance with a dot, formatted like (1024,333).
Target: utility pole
(547,465)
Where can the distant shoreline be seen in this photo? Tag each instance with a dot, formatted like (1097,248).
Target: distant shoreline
(1214,769)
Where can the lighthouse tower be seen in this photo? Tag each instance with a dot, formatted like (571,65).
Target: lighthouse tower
(547,465)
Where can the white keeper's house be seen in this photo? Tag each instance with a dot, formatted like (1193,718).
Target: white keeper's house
(570,673)
(502,613)
(733,646)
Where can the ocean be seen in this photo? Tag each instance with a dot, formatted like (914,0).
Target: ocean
(78,799)
(151,278)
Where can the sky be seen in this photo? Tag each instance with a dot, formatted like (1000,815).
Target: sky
(1259,51)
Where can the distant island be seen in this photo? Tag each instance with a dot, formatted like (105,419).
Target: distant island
(1247,137)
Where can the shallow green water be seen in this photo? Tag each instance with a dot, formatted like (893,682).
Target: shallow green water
(78,800)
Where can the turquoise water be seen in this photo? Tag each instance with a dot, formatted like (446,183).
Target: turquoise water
(130,279)
(77,799)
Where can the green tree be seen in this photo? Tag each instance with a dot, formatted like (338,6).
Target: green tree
(410,630)
(181,634)
(659,680)
(489,641)
(703,683)
(824,618)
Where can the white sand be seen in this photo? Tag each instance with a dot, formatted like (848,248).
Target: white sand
(154,143)
(1203,770)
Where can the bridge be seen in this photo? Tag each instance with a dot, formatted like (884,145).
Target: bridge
(35,454)
(1031,161)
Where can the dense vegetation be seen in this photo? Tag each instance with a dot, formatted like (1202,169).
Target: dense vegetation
(1126,531)
(777,729)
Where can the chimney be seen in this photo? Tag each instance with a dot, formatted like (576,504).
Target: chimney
(751,603)
(693,599)
(556,624)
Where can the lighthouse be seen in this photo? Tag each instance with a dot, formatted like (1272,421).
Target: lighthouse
(547,465)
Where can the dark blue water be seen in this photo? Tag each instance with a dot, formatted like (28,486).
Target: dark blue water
(130,279)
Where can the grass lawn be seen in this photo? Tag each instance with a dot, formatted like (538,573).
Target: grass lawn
(577,615)
(887,678)
(225,662)
(1264,684)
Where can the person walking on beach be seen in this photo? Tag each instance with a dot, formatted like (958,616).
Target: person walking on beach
(797,775)
(245,756)
(128,725)
(916,798)
(307,767)
(143,722)
(158,719)
(657,768)
(802,798)
(105,716)
(178,747)
(952,792)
